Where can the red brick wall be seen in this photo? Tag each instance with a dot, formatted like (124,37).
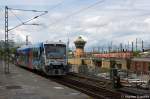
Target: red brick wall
(139,66)
(115,55)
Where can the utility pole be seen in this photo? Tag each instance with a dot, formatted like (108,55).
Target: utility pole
(121,47)
(132,47)
(6,68)
(125,47)
(136,44)
(98,49)
(142,46)
(111,46)
(102,50)
(128,47)
(27,41)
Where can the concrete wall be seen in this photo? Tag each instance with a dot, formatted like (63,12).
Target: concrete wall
(78,64)
(74,61)
(79,61)
(105,62)
(122,62)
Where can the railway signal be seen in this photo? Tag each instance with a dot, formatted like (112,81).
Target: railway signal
(115,78)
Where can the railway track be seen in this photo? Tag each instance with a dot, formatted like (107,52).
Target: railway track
(97,88)
(90,88)
(101,82)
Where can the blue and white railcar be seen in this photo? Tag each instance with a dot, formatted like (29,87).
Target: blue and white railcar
(49,57)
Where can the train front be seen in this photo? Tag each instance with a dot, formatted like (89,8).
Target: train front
(55,59)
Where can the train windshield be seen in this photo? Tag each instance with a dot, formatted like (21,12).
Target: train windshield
(55,51)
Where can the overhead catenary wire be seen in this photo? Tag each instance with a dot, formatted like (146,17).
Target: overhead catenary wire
(77,12)
(26,10)
(24,23)
(72,14)
(52,8)
(55,6)
(16,16)
(6,68)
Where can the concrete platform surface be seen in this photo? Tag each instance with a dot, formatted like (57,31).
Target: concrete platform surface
(22,84)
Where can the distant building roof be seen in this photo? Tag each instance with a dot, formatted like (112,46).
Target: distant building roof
(145,54)
(141,59)
(147,50)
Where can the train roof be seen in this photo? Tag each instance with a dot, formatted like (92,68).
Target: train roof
(37,45)
(52,42)
(25,47)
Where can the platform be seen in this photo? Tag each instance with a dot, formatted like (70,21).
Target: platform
(23,84)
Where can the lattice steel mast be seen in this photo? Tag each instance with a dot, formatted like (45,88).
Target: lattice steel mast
(6,68)
(7,49)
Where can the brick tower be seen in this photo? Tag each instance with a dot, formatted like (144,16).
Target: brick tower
(79,43)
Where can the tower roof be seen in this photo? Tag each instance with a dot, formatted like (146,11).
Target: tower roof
(80,39)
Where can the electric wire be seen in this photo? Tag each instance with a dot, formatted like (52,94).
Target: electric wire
(16,16)
(26,10)
(24,23)
(77,12)
(55,6)
(52,8)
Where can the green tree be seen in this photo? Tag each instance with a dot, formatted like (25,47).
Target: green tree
(136,54)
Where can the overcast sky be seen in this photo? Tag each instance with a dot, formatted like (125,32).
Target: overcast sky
(98,21)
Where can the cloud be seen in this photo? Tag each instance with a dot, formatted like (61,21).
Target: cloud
(98,28)
(2,34)
(29,2)
(18,34)
(119,21)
